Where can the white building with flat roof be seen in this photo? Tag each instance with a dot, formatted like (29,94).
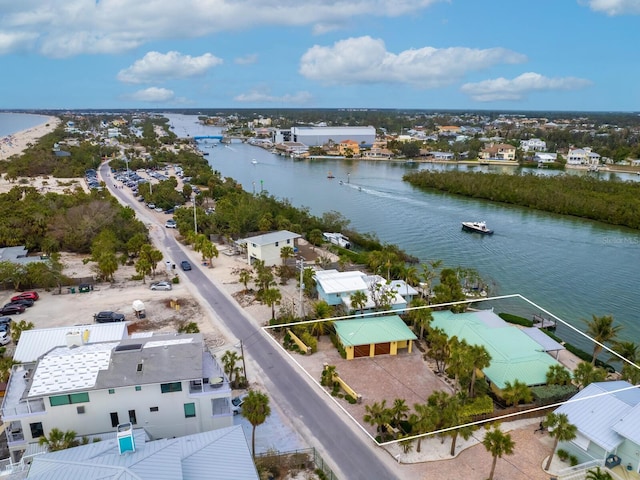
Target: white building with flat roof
(318,136)
(168,384)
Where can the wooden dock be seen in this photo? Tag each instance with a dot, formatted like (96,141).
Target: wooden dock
(541,322)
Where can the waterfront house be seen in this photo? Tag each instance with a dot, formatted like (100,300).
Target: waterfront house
(267,247)
(349,148)
(607,417)
(545,157)
(498,151)
(336,288)
(514,354)
(168,384)
(582,156)
(533,145)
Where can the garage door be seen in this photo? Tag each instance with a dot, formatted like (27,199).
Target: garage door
(383,348)
(361,351)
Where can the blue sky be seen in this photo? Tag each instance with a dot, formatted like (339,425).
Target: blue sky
(425,54)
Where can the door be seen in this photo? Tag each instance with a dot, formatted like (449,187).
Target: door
(361,351)
(382,348)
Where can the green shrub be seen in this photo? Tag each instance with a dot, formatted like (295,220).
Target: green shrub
(573,460)
(562,454)
(175,279)
(350,399)
(547,394)
(310,341)
(515,319)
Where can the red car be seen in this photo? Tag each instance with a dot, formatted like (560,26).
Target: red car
(28,295)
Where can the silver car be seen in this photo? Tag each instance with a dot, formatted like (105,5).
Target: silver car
(161,286)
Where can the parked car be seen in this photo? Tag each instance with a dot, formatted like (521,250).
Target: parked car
(161,286)
(31,295)
(236,403)
(5,320)
(184,265)
(5,333)
(27,302)
(108,316)
(12,309)
(170,224)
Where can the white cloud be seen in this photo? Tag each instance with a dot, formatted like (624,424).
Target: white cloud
(247,59)
(615,7)
(519,87)
(156,66)
(365,60)
(256,96)
(16,41)
(153,95)
(66,28)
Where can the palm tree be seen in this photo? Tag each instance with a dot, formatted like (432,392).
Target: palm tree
(585,373)
(315,238)
(602,330)
(271,297)
(59,440)
(498,444)
(322,309)
(398,411)
(480,359)
(286,253)
(429,273)
(516,392)
(18,327)
(560,429)
(359,300)
(229,361)
(422,421)
(244,276)
(321,328)
(256,410)
(377,414)
(598,474)
(558,375)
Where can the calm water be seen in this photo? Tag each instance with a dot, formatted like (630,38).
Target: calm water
(16,122)
(571,267)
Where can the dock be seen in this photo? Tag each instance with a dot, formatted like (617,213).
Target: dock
(541,322)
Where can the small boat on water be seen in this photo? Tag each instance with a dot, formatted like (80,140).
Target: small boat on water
(478,227)
(330,175)
(254,161)
(205,153)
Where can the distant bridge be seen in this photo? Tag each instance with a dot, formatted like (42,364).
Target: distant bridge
(205,137)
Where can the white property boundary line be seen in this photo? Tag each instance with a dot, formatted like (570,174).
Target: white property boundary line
(444,430)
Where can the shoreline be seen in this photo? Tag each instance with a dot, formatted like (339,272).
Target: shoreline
(17,143)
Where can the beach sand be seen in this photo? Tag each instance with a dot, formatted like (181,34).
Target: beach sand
(16,143)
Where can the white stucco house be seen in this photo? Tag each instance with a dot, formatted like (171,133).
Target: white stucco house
(267,247)
(582,156)
(533,145)
(168,384)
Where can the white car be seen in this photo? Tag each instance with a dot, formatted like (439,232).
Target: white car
(161,286)
(170,224)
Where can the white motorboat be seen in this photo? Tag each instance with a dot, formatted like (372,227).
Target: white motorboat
(478,227)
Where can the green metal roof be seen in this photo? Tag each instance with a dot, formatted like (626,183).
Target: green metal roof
(514,355)
(373,330)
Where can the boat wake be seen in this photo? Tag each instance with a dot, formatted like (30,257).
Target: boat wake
(389,195)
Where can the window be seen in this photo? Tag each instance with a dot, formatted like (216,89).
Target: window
(288,241)
(114,419)
(171,387)
(58,400)
(189,410)
(80,409)
(111,391)
(36,429)
(132,417)
(277,243)
(138,388)
(153,409)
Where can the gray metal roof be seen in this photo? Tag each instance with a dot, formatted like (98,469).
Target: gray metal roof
(221,454)
(34,343)
(545,341)
(605,414)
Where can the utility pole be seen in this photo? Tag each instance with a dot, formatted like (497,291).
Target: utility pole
(300,309)
(244,365)
(195,219)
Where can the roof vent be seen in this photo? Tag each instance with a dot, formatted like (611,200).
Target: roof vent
(74,339)
(128,347)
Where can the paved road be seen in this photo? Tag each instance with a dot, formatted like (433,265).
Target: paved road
(344,447)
